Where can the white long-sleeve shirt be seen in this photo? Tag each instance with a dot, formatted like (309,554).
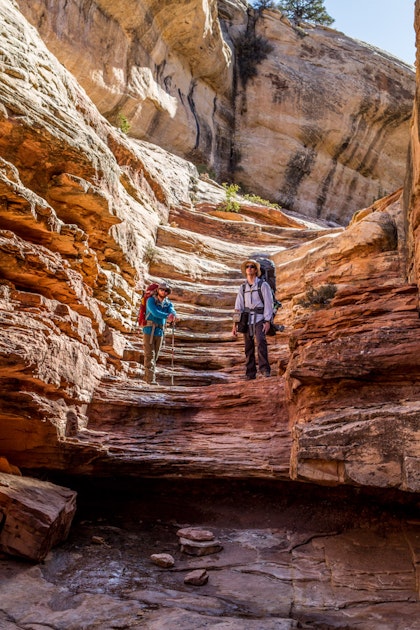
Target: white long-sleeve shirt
(250,299)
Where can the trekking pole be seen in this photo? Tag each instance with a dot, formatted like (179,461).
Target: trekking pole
(132,326)
(134,308)
(173,352)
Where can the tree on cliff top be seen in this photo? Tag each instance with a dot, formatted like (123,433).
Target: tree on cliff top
(264,4)
(305,11)
(299,10)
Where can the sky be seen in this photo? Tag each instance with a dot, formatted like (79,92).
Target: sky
(386,24)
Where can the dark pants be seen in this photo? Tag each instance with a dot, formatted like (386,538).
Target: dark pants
(151,346)
(263,364)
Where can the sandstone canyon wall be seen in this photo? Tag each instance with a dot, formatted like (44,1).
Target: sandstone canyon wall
(322,128)
(327,117)
(412,187)
(87,214)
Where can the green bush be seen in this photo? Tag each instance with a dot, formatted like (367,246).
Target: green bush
(123,123)
(230,204)
(264,4)
(261,202)
(150,253)
(203,169)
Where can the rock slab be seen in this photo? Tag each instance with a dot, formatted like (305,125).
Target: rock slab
(192,533)
(194,548)
(34,516)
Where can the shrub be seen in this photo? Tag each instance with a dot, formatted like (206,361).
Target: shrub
(205,172)
(123,123)
(251,50)
(261,202)
(264,4)
(318,297)
(150,253)
(231,204)
(306,11)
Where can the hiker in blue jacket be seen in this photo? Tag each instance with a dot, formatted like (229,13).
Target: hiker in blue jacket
(255,298)
(159,310)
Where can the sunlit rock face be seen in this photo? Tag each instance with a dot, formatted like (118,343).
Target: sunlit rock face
(322,127)
(326,120)
(164,66)
(77,211)
(86,216)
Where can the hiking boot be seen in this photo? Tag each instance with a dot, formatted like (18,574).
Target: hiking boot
(250,378)
(266,374)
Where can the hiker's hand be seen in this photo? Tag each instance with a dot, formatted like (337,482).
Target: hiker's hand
(171,318)
(234,331)
(266,327)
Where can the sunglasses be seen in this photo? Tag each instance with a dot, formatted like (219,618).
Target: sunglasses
(250,267)
(166,290)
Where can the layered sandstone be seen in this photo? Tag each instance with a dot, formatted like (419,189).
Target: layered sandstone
(84,214)
(89,215)
(353,368)
(163,65)
(326,119)
(412,187)
(323,127)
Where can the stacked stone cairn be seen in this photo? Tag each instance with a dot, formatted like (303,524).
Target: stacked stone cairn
(194,542)
(198,542)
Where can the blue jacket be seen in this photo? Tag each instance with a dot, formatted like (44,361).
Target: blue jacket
(157,312)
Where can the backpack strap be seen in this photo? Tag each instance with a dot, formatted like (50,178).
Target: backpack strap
(259,309)
(147,312)
(260,293)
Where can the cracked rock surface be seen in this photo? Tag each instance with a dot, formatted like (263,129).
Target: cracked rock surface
(293,557)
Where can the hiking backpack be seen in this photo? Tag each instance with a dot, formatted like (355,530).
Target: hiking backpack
(268,271)
(268,274)
(148,292)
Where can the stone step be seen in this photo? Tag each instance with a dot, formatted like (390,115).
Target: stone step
(235,431)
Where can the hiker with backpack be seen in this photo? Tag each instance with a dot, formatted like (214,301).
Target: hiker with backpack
(253,315)
(157,311)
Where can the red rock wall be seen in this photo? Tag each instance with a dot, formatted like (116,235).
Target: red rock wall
(412,192)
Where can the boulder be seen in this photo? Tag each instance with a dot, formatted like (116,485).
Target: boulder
(34,516)
(164,560)
(199,577)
